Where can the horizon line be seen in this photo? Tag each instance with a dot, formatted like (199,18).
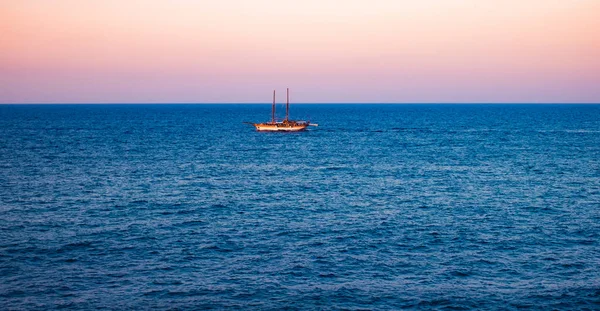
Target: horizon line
(306,103)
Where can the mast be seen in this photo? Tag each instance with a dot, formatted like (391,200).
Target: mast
(273,109)
(287,105)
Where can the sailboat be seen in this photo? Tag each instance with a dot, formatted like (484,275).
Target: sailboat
(286,125)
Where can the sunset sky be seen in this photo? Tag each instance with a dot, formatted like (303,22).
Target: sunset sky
(189,51)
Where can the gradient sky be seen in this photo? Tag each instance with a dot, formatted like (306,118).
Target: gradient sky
(115,51)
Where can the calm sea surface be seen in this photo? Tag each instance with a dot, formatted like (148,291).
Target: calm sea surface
(447,207)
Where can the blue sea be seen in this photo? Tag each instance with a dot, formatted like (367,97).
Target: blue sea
(380,207)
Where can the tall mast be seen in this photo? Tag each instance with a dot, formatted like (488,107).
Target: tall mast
(287,105)
(273,109)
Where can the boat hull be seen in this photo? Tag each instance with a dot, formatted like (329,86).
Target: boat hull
(278,127)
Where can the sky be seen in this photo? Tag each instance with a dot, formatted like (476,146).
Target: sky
(359,51)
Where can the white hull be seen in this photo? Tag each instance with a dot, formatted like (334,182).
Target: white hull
(280,128)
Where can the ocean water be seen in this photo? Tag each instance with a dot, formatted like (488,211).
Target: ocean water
(381,207)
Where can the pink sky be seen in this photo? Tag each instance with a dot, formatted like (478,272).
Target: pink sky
(149,51)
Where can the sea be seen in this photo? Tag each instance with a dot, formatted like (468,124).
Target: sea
(380,207)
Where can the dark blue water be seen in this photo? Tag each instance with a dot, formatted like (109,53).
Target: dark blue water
(447,207)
